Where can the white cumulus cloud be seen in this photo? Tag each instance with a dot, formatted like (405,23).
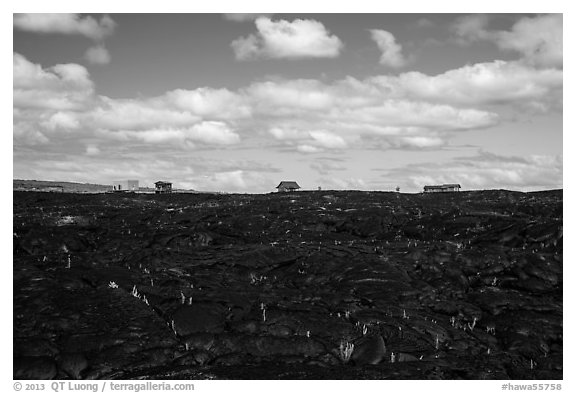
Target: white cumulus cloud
(418,142)
(410,111)
(391,51)
(72,24)
(239,180)
(328,140)
(300,38)
(335,183)
(538,39)
(87,26)
(284,97)
(287,134)
(308,142)
(211,103)
(309,149)
(62,121)
(494,83)
(61,87)
(206,133)
(325,167)
(214,132)
(138,114)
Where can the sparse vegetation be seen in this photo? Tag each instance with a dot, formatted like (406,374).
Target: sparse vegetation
(346,350)
(281,276)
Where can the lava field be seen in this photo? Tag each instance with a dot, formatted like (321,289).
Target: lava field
(304,285)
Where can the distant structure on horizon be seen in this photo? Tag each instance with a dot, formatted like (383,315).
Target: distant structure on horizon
(125,186)
(443,188)
(162,187)
(287,186)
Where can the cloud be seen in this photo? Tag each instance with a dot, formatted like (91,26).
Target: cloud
(494,83)
(215,133)
(485,171)
(71,24)
(354,106)
(26,134)
(62,98)
(284,97)
(404,115)
(92,150)
(225,164)
(311,117)
(417,142)
(137,115)
(176,109)
(62,121)
(335,183)
(208,133)
(325,167)
(409,111)
(33,76)
(244,17)
(328,140)
(309,142)
(538,39)
(283,134)
(226,180)
(391,51)
(233,181)
(61,87)
(307,115)
(309,149)
(97,54)
(375,105)
(301,38)
(211,103)
(473,27)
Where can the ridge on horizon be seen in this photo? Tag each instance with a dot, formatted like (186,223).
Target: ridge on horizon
(29,184)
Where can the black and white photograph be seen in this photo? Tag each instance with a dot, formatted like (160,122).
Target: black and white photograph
(287,196)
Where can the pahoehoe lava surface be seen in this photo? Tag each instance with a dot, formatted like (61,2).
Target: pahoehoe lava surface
(307,285)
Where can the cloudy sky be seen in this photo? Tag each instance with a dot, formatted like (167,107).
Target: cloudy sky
(239,102)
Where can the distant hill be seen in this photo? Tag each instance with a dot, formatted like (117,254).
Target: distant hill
(66,186)
(58,186)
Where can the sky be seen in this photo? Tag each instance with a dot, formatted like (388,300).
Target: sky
(240,102)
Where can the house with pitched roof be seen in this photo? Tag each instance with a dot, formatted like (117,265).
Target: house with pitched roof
(286,186)
(442,188)
(163,187)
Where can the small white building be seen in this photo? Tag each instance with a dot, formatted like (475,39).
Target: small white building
(125,185)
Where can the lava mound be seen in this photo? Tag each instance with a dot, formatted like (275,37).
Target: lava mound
(305,285)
